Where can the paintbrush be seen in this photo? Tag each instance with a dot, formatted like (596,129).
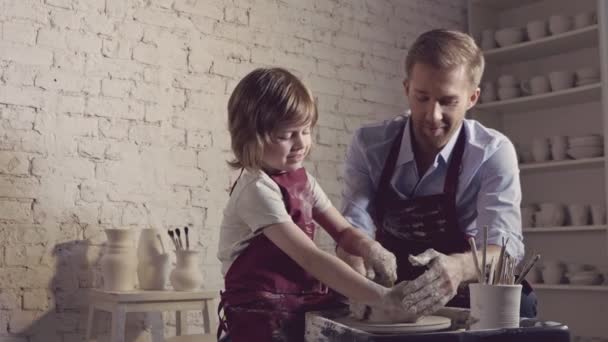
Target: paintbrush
(527,269)
(485,251)
(162,246)
(187,238)
(173,239)
(179,238)
(475,259)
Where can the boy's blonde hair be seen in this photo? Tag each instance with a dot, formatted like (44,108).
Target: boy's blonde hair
(264,101)
(445,49)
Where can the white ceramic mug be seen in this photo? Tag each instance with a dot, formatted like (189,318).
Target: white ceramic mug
(552,271)
(507,93)
(506,81)
(495,306)
(559,24)
(488,92)
(579,214)
(536,29)
(536,85)
(487,39)
(588,73)
(559,146)
(598,214)
(561,80)
(540,150)
(584,19)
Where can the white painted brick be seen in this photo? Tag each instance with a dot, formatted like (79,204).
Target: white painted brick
(66,4)
(18,187)
(163,18)
(19,32)
(25,54)
(92,191)
(146,53)
(24,255)
(147,92)
(69,61)
(183,157)
(114,108)
(83,42)
(16,210)
(66,19)
(117,8)
(9,301)
(116,48)
(174,136)
(19,74)
(146,134)
(116,88)
(236,15)
(327,136)
(76,125)
(17,117)
(14,163)
(199,139)
(25,9)
(51,38)
(211,9)
(22,96)
(98,24)
(55,79)
(114,129)
(92,149)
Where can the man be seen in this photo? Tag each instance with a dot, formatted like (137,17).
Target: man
(432,179)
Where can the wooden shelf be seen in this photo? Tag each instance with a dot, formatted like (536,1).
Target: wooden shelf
(569,41)
(561,164)
(502,4)
(568,287)
(561,98)
(599,228)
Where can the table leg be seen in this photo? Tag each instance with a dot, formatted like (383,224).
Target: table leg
(181,327)
(156,326)
(119,318)
(90,322)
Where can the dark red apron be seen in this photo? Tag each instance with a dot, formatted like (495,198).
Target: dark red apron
(267,293)
(411,226)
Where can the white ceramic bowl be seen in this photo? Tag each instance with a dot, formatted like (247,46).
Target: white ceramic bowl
(584,278)
(588,73)
(509,36)
(585,152)
(508,93)
(587,140)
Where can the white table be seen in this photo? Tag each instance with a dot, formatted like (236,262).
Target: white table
(153,303)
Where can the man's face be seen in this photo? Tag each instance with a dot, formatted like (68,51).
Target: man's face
(438,102)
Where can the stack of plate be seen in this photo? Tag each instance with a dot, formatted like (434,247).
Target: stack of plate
(588,146)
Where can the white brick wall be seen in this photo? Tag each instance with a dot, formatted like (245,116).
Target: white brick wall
(112,113)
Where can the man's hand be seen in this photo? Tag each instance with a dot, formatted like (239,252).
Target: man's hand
(393,309)
(435,287)
(383,263)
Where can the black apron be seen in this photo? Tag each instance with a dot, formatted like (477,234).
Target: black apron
(411,226)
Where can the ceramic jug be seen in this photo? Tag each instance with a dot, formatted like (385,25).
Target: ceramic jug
(153,262)
(187,276)
(118,264)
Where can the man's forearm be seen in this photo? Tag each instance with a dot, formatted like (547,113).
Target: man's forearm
(468,265)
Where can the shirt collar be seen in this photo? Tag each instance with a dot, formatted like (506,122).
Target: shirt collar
(406,154)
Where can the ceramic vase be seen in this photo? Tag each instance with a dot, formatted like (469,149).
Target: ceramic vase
(118,264)
(152,262)
(186,276)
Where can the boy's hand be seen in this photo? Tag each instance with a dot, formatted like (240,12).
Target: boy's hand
(383,263)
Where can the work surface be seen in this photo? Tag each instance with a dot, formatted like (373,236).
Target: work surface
(321,327)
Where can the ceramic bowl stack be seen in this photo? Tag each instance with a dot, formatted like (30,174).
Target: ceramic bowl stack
(588,75)
(588,146)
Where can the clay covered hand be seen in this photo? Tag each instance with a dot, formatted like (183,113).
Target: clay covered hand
(383,263)
(435,287)
(392,309)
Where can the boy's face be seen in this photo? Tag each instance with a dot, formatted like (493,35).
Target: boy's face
(287,149)
(438,101)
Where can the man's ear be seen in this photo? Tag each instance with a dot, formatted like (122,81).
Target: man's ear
(473,98)
(406,86)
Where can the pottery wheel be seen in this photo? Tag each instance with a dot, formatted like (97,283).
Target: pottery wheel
(424,324)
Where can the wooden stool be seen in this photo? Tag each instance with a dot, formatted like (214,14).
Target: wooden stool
(153,303)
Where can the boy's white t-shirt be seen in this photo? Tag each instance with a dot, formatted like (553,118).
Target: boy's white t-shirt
(256,202)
